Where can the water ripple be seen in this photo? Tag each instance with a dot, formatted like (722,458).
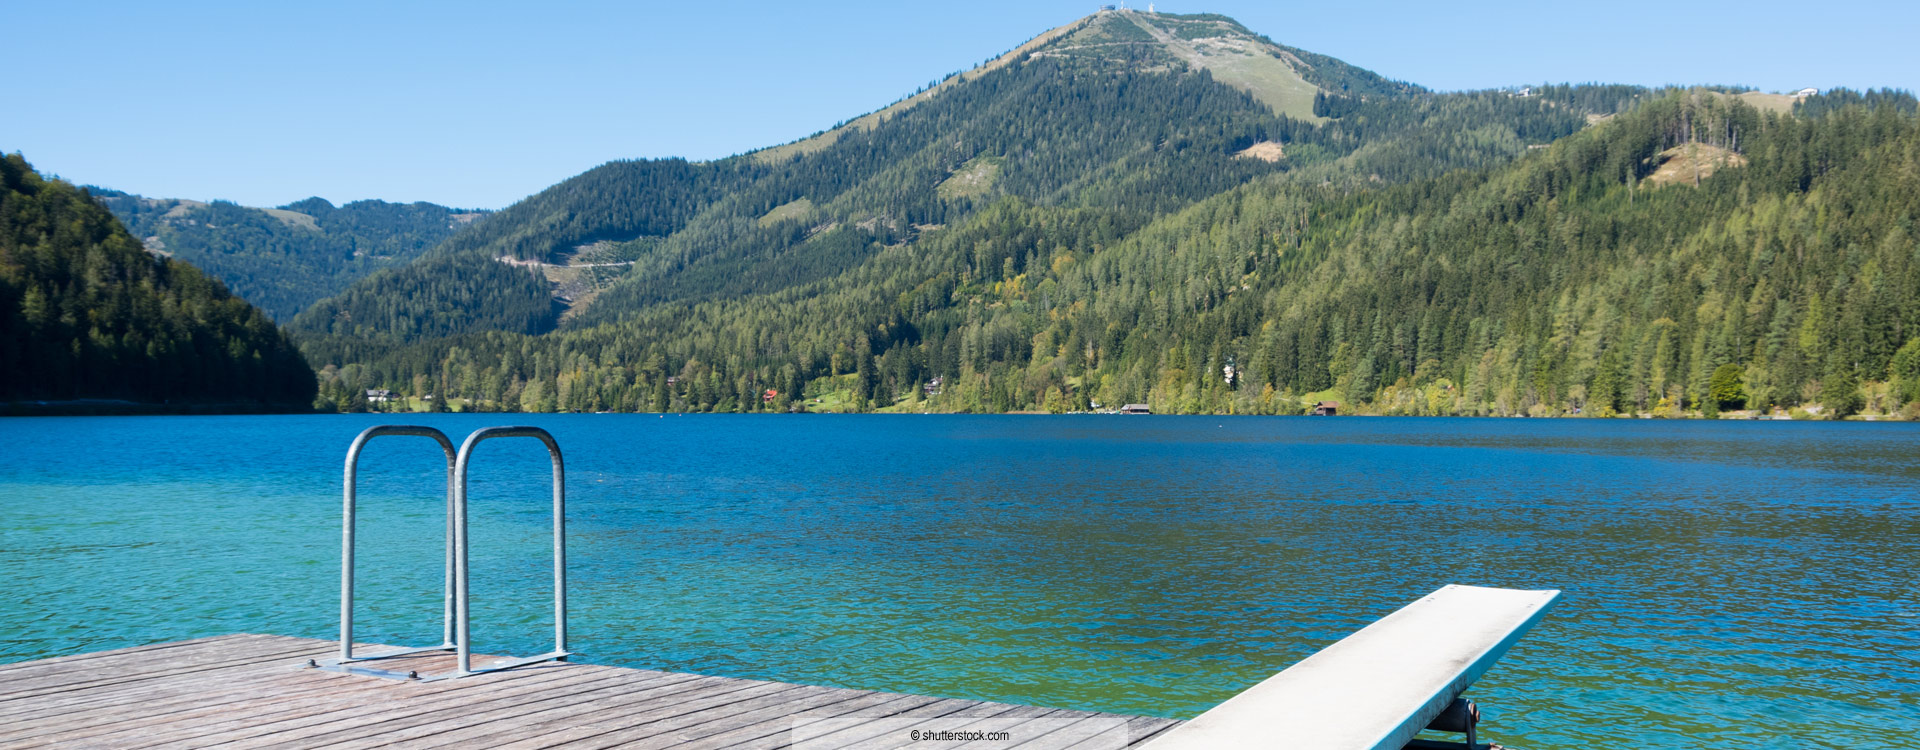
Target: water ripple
(1728,584)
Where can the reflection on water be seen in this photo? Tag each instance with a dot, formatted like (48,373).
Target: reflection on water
(1728,584)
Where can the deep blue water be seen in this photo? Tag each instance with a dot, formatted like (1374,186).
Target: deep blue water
(1728,584)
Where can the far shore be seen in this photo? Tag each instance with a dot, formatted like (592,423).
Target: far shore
(108,407)
(101,407)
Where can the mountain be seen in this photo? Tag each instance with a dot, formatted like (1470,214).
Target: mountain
(1692,254)
(87,313)
(285,259)
(1122,211)
(1129,114)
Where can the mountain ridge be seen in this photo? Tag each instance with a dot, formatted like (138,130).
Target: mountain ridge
(87,314)
(1079,224)
(1344,77)
(885,169)
(284,259)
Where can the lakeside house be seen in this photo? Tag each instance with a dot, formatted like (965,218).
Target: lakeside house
(379,395)
(1135,409)
(1326,409)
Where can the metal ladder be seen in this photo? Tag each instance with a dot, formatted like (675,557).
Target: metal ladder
(455,630)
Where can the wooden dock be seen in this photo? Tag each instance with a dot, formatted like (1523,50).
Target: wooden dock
(249,691)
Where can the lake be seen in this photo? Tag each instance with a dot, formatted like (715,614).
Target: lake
(1728,584)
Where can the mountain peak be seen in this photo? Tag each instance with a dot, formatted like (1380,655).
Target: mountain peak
(1282,77)
(1167,42)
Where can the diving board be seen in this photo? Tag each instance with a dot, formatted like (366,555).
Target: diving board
(1377,688)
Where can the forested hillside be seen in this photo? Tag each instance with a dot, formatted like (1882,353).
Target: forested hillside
(1095,218)
(85,312)
(1067,121)
(285,259)
(1592,276)
(1604,275)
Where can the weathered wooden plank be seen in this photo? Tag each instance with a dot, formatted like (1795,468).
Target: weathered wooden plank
(576,735)
(250,692)
(604,714)
(665,722)
(775,732)
(1077,729)
(188,729)
(472,721)
(855,736)
(325,727)
(154,692)
(126,661)
(649,720)
(158,691)
(625,707)
(1140,729)
(292,724)
(98,676)
(748,715)
(884,733)
(176,699)
(897,704)
(64,662)
(256,702)
(350,693)
(983,717)
(1033,716)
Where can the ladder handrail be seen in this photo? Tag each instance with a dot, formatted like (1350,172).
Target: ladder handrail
(462,612)
(349,491)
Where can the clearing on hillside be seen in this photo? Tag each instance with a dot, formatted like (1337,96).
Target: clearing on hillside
(293,218)
(972,179)
(1267,151)
(1781,103)
(798,208)
(587,270)
(1691,163)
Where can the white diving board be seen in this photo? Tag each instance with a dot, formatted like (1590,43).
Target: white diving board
(1377,688)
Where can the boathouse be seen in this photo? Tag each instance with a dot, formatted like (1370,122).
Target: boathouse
(1135,409)
(1326,409)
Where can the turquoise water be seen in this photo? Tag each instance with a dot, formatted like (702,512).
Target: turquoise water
(1728,584)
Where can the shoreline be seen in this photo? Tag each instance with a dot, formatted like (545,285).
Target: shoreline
(118,408)
(107,407)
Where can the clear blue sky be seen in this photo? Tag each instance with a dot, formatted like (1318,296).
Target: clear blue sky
(476,104)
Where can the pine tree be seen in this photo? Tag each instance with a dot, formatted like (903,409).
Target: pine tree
(1727,389)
